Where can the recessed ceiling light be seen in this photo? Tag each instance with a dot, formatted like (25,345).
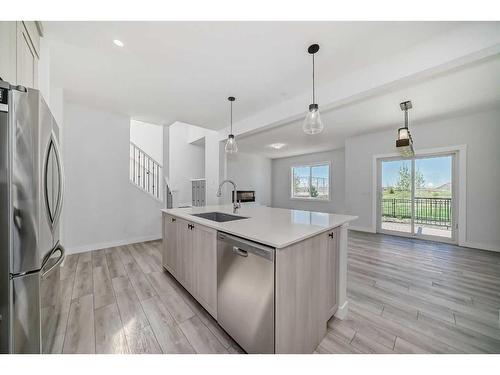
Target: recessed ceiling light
(118,43)
(277,146)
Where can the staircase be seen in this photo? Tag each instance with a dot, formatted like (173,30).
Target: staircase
(145,172)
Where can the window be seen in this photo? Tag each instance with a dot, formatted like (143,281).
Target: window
(311,181)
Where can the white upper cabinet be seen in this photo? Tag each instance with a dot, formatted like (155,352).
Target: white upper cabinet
(28,43)
(8,32)
(20,52)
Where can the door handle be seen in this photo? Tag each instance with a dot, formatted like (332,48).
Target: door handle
(61,181)
(172,219)
(54,216)
(57,247)
(240,252)
(330,235)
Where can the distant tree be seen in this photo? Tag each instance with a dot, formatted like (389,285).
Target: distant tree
(404,180)
(391,190)
(419,180)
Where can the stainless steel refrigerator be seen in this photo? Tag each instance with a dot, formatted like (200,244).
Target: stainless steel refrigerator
(31,192)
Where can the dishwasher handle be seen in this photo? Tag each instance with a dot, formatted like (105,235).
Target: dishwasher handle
(242,246)
(240,252)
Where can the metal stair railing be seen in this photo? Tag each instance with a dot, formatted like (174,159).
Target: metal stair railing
(145,172)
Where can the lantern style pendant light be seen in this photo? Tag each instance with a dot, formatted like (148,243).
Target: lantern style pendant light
(312,123)
(404,143)
(231,146)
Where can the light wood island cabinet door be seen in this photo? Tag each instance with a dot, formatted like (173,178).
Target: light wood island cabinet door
(164,240)
(190,255)
(300,295)
(332,272)
(170,243)
(205,267)
(184,260)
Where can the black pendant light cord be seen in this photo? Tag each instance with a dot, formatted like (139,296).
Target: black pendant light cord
(314,99)
(231,100)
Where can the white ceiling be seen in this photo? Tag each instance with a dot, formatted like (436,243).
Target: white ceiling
(184,71)
(458,92)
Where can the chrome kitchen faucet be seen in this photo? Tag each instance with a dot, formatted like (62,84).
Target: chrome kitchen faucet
(236,204)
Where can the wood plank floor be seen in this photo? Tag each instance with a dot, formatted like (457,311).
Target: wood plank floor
(413,296)
(405,296)
(119,300)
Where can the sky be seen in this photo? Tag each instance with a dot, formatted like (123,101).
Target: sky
(317,171)
(436,171)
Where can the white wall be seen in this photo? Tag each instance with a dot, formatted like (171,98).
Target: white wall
(44,83)
(212,166)
(249,172)
(186,162)
(480,132)
(149,137)
(166,147)
(281,182)
(56,104)
(101,207)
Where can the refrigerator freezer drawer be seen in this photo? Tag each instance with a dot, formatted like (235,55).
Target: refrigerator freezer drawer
(25,320)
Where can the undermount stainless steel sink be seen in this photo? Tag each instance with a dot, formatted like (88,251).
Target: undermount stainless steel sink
(220,217)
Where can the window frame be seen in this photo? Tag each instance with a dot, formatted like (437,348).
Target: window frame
(310,165)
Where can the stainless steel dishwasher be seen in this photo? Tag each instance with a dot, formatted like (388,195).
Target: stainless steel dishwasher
(245,292)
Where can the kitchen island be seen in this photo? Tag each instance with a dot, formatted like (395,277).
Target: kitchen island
(298,279)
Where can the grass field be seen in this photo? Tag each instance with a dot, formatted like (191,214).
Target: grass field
(430,208)
(423,193)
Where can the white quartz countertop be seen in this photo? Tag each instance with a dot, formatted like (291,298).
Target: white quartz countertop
(276,227)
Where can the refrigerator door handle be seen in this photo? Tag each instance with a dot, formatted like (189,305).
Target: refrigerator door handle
(54,148)
(61,181)
(57,247)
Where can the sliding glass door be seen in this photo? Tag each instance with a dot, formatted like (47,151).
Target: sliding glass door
(434,196)
(396,208)
(416,197)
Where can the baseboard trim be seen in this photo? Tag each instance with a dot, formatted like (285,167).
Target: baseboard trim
(480,246)
(361,229)
(342,311)
(104,245)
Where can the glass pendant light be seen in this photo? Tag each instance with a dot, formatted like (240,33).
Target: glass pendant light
(231,146)
(404,143)
(312,123)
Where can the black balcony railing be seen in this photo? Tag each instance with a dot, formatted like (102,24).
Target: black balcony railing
(145,172)
(430,211)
